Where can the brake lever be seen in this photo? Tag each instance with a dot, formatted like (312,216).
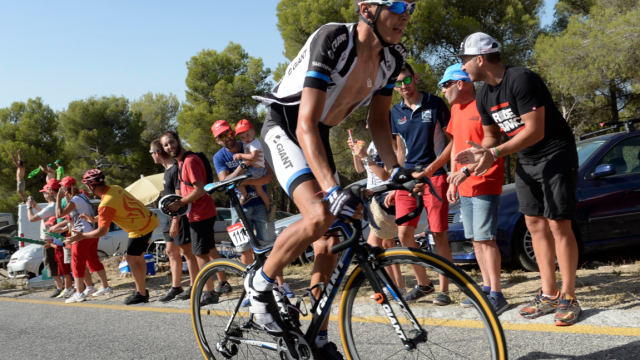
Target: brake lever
(432,189)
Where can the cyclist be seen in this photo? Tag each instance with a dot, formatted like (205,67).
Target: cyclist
(340,68)
(132,216)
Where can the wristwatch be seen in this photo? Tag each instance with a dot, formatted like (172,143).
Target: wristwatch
(465,171)
(243,166)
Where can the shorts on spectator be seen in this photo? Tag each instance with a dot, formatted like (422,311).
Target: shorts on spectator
(438,211)
(22,185)
(202,236)
(258,216)
(256,172)
(480,216)
(184,233)
(63,269)
(138,246)
(548,188)
(50,261)
(85,253)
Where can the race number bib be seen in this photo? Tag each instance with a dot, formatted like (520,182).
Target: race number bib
(238,234)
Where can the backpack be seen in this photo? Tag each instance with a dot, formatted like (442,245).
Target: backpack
(94,211)
(207,167)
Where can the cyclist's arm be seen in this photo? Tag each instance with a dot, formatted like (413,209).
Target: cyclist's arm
(380,130)
(311,107)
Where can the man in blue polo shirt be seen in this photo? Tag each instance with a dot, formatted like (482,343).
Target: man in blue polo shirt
(255,209)
(419,123)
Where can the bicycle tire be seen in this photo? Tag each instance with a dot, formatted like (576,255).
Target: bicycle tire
(379,330)
(210,322)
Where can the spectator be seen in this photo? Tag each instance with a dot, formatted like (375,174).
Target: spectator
(48,251)
(228,167)
(84,251)
(202,217)
(516,100)
(418,122)
(20,170)
(51,174)
(59,170)
(176,231)
(255,164)
(479,195)
(384,216)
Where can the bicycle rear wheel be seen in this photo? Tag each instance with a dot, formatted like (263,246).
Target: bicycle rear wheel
(367,333)
(210,322)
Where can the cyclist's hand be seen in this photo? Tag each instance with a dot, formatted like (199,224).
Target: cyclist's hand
(452,194)
(342,203)
(390,200)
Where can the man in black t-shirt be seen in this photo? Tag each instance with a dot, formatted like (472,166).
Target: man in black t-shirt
(176,231)
(516,101)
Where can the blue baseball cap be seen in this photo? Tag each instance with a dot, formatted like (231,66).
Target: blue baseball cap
(455,72)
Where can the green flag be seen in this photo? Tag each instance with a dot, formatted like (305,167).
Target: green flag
(34,173)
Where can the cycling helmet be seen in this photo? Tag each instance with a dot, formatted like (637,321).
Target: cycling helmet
(93,178)
(167,200)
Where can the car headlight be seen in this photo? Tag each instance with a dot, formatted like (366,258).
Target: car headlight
(457,218)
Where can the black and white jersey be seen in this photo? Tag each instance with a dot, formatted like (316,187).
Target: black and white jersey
(325,62)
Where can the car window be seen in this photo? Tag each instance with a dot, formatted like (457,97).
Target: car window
(114,227)
(624,156)
(587,148)
(224,215)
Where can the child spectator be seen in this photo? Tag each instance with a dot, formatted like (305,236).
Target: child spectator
(252,152)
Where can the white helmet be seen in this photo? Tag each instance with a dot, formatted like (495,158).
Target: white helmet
(170,199)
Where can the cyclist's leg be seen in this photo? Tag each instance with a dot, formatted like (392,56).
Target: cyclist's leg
(323,265)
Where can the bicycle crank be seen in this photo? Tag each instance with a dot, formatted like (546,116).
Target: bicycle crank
(292,346)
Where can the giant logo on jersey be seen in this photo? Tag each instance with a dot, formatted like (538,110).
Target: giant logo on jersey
(297,62)
(334,45)
(509,122)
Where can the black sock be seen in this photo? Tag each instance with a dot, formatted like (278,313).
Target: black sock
(426,287)
(179,288)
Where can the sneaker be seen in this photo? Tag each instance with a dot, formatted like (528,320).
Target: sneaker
(466,303)
(185,295)
(272,212)
(209,297)
(246,302)
(419,292)
(246,199)
(170,295)
(261,302)
(330,352)
(103,291)
(224,288)
(568,311)
(541,305)
(499,304)
(56,293)
(286,290)
(77,297)
(137,298)
(442,299)
(66,293)
(89,290)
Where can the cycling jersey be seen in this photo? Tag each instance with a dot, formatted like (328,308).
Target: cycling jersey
(323,63)
(326,61)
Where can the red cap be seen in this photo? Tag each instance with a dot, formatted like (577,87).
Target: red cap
(67,181)
(242,126)
(51,184)
(220,127)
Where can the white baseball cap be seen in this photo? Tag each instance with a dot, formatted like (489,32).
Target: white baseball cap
(478,44)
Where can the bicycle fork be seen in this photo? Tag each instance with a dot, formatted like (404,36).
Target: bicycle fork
(374,274)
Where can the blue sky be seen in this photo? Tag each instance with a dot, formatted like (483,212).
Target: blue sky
(71,50)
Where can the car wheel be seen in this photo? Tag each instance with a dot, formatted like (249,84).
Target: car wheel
(307,256)
(40,269)
(523,246)
(161,252)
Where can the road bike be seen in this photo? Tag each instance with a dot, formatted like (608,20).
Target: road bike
(386,327)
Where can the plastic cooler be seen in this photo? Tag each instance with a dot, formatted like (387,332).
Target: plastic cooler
(148,258)
(124,268)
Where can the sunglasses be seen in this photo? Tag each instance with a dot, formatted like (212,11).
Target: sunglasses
(400,7)
(447,85)
(406,80)
(224,137)
(153,151)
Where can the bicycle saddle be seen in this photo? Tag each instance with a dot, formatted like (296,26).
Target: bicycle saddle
(223,185)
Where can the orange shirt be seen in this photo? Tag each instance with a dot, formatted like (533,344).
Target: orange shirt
(129,213)
(465,125)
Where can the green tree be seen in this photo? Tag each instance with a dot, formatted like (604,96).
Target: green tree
(220,86)
(33,128)
(159,114)
(103,133)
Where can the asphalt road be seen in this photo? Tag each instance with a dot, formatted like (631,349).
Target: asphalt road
(32,329)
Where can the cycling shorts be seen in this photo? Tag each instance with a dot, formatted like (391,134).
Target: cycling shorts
(283,153)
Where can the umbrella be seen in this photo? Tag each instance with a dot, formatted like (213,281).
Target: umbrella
(148,189)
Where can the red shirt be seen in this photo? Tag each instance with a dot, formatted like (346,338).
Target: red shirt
(465,125)
(193,170)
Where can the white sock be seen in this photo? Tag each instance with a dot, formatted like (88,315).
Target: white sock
(322,339)
(262,282)
(549,296)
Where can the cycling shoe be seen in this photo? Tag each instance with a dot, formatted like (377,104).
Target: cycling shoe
(330,352)
(262,306)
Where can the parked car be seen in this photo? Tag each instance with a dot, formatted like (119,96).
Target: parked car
(608,202)
(28,259)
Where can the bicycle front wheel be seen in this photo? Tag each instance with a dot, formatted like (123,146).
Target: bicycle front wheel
(225,329)
(452,332)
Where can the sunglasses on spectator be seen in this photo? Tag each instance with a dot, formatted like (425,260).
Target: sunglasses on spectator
(447,85)
(153,151)
(225,136)
(406,80)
